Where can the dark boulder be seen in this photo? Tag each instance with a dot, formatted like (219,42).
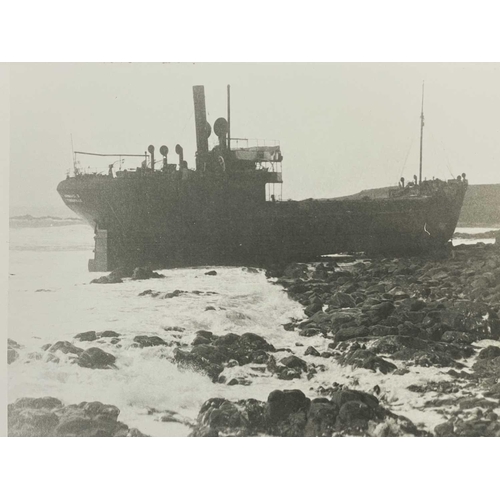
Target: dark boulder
(459,337)
(219,416)
(144,273)
(382,330)
(86,336)
(364,358)
(312,309)
(65,347)
(108,334)
(96,358)
(12,355)
(198,363)
(286,412)
(354,415)
(42,417)
(342,300)
(321,418)
(13,344)
(213,353)
(351,332)
(487,367)
(107,280)
(294,362)
(203,337)
(382,310)
(489,352)
(343,396)
(149,341)
(311,351)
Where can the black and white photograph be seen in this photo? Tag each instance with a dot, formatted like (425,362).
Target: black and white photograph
(254,249)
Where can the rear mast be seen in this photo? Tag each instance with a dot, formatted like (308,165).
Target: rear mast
(421,134)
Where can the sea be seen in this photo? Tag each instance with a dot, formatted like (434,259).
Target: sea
(51,298)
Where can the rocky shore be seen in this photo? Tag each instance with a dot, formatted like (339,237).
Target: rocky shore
(428,326)
(388,316)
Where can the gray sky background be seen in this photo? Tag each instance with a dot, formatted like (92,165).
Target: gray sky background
(342,127)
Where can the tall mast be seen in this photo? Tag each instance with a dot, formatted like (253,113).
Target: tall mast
(229,117)
(421,134)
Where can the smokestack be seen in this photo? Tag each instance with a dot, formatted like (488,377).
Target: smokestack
(200,118)
(180,152)
(151,150)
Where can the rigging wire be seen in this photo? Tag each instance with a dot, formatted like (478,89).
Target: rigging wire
(406,158)
(180,134)
(444,152)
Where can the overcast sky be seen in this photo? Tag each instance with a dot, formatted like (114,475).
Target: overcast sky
(342,127)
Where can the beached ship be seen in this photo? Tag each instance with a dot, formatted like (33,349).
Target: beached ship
(229,211)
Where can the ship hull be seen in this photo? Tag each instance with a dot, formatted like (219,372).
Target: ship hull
(164,222)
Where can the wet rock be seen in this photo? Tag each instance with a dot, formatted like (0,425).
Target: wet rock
(96,358)
(34,356)
(108,334)
(487,367)
(477,426)
(321,418)
(309,332)
(149,341)
(203,337)
(459,337)
(401,371)
(422,352)
(342,300)
(13,344)
(107,280)
(311,351)
(381,311)
(65,347)
(489,352)
(286,412)
(351,332)
(311,309)
(86,336)
(364,358)
(291,413)
(219,416)
(382,330)
(338,318)
(144,273)
(444,430)
(210,352)
(354,415)
(12,355)
(239,381)
(199,363)
(294,362)
(44,417)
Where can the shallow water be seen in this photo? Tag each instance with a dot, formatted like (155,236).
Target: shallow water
(51,299)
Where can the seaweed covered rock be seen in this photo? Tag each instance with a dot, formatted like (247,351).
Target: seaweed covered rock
(48,417)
